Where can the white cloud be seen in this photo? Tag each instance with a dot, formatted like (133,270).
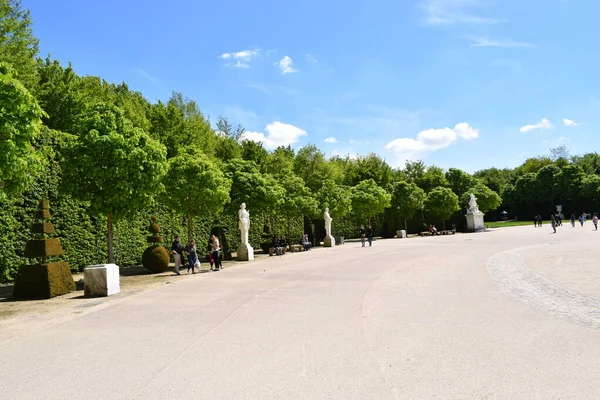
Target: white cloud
(285,65)
(239,64)
(451,12)
(278,134)
(311,59)
(543,124)
(242,58)
(563,139)
(430,140)
(486,42)
(330,139)
(346,152)
(569,122)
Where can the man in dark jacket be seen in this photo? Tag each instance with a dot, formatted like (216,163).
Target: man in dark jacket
(177,250)
(370,235)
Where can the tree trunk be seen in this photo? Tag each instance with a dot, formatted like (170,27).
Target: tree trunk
(406,226)
(109,227)
(190,227)
(444,225)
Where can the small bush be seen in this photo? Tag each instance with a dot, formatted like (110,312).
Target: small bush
(156,259)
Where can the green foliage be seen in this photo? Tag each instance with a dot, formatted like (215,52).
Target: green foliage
(156,259)
(548,183)
(261,192)
(590,186)
(369,199)
(195,186)
(441,203)
(368,167)
(43,281)
(18,46)
(20,122)
(59,95)
(525,189)
(115,167)
(311,165)
(459,181)
(335,197)
(487,199)
(432,178)
(298,200)
(407,199)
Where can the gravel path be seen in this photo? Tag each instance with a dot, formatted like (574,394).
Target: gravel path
(452,317)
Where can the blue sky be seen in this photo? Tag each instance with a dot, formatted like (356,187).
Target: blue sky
(465,83)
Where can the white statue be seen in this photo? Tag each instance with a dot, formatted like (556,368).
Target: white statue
(244,223)
(473,207)
(328,221)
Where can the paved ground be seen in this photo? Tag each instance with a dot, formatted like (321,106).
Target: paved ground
(509,314)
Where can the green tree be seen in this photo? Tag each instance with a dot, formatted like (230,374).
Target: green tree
(280,162)
(459,181)
(59,95)
(494,178)
(414,170)
(570,182)
(433,177)
(525,189)
(297,201)
(195,186)
(590,187)
(368,167)
(18,46)
(548,184)
(310,165)
(487,199)
(407,199)
(117,168)
(441,203)
(589,163)
(335,197)
(369,199)
(20,122)
(259,191)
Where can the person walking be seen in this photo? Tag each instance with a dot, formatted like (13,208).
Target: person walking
(573,220)
(535,219)
(581,220)
(539,219)
(192,256)
(370,235)
(363,232)
(177,250)
(553,223)
(216,252)
(595,221)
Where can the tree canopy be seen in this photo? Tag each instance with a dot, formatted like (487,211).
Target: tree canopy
(20,122)
(441,203)
(369,199)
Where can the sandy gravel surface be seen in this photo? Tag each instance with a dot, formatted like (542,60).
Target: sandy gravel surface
(454,317)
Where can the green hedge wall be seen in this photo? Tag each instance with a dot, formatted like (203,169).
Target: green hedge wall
(83,236)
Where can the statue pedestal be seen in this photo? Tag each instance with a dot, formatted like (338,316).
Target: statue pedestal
(475,221)
(245,253)
(101,280)
(329,241)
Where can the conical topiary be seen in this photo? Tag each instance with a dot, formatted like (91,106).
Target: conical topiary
(155,257)
(49,277)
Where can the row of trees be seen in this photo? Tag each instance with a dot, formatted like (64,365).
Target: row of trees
(112,152)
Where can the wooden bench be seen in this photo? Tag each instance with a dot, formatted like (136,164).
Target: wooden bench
(447,232)
(426,233)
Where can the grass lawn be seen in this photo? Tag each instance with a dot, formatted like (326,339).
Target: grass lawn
(507,224)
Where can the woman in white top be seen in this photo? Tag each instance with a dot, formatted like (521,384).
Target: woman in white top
(216,252)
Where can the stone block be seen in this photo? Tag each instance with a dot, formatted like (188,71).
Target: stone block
(329,241)
(475,222)
(245,253)
(401,234)
(101,280)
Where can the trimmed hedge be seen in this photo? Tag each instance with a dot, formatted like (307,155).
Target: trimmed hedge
(43,281)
